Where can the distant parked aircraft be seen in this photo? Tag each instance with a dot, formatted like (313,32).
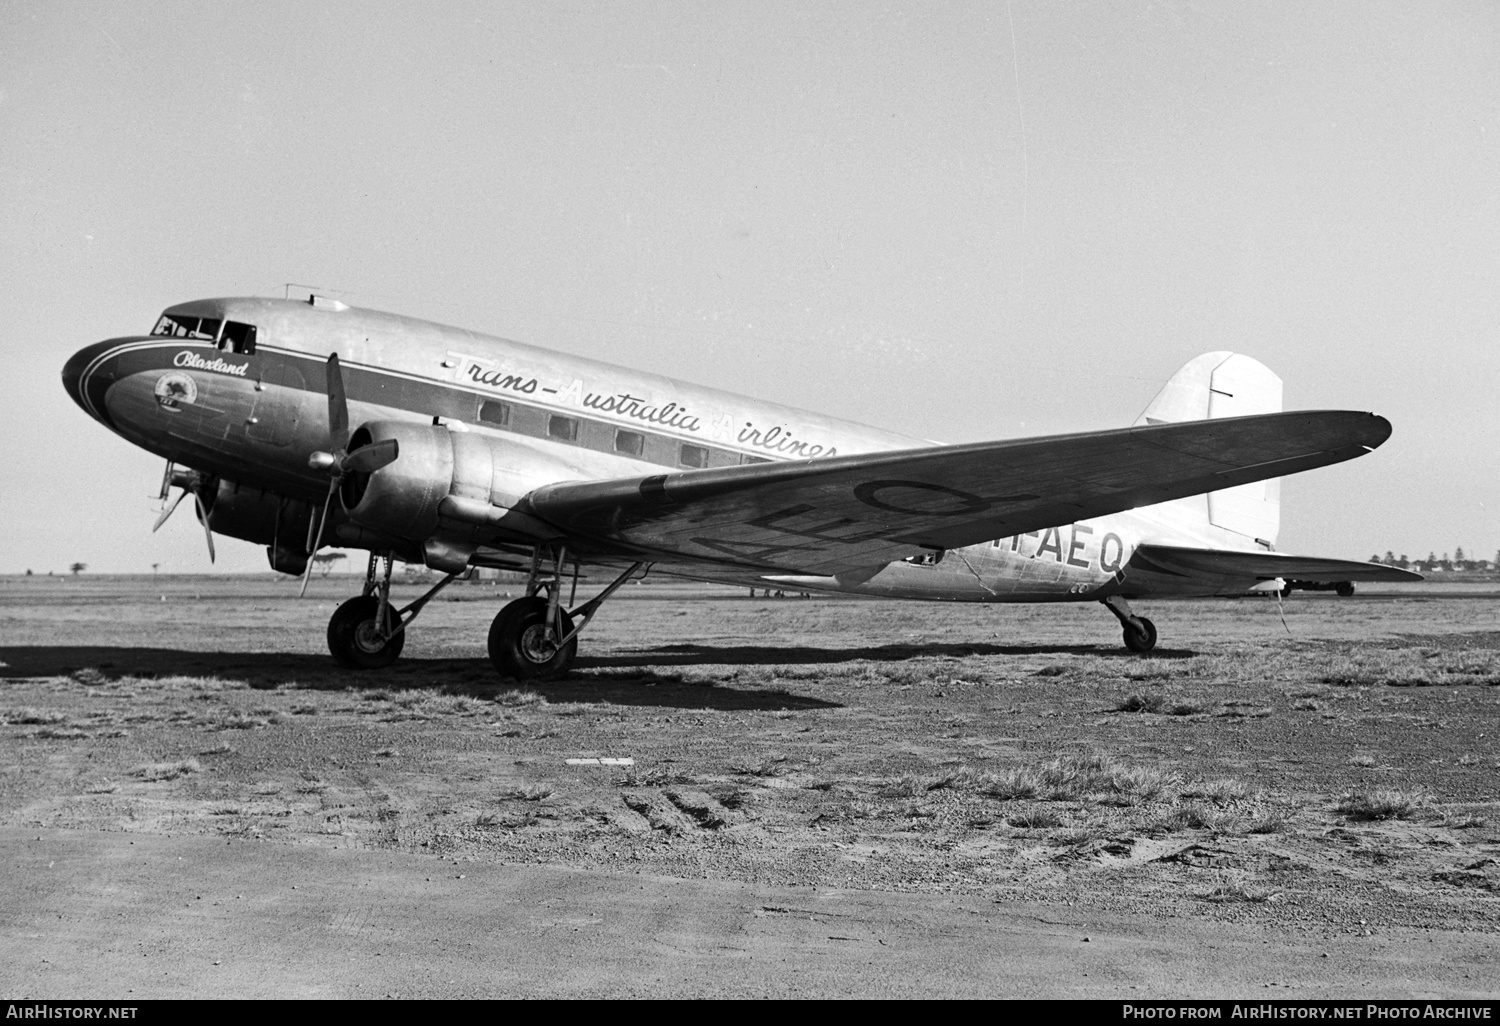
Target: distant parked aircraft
(472,451)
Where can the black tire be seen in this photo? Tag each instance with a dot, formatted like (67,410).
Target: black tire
(1345,589)
(1143,640)
(353,640)
(517,645)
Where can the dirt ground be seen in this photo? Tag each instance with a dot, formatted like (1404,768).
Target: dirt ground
(823,796)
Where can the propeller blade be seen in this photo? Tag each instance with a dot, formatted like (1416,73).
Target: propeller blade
(208,532)
(317,542)
(338,407)
(370,458)
(168,511)
(166,484)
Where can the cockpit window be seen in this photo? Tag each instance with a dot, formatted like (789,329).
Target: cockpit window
(238,338)
(175,326)
(230,336)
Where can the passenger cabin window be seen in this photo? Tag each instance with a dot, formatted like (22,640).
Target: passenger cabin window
(693,456)
(491,412)
(238,338)
(746,460)
(563,428)
(930,558)
(631,443)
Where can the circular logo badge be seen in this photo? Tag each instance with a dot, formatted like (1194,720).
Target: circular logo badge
(175,390)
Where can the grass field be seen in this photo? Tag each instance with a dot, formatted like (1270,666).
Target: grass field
(1336,774)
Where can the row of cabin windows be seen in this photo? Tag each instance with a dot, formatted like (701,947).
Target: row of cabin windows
(229,336)
(596,435)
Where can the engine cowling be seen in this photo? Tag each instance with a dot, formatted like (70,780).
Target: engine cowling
(402,498)
(257,515)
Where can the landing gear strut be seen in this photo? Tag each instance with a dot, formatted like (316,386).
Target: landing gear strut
(1140,633)
(367,632)
(534,638)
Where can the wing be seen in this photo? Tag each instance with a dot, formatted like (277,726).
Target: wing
(1261,566)
(843,513)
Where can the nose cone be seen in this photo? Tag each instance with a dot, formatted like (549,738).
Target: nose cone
(87,376)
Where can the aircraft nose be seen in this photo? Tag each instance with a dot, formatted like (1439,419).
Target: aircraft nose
(87,375)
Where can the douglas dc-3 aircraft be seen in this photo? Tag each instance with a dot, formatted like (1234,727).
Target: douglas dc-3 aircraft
(472,451)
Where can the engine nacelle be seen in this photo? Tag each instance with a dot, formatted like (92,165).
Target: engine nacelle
(402,498)
(259,516)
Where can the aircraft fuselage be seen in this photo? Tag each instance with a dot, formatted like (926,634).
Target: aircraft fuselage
(246,406)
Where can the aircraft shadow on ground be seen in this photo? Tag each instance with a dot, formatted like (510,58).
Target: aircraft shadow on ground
(773,655)
(591,679)
(476,677)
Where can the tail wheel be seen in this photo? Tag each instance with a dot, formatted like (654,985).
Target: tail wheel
(519,647)
(354,636)
(1142,640)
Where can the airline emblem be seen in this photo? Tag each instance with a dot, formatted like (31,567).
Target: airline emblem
(175,390)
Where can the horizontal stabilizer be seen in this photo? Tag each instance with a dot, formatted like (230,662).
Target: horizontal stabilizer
(1260,566)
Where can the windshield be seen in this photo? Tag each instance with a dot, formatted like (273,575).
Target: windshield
(177,326)
(231,336)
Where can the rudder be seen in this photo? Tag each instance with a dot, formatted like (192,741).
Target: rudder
(1224,384)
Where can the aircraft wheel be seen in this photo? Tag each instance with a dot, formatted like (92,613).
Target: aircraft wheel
(1345,589)
(1143,640)
(519,646)
(354,640)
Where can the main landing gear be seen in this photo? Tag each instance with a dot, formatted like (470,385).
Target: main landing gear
(1140,633)
(367,632)
(534,638)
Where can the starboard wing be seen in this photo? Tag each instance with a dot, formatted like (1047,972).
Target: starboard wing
(1260,566)
(843,513)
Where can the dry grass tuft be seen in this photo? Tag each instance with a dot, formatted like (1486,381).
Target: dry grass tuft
(235,719)
(60,733)
(516,697)
(1267,823)
(528,793)
(29,715)
(1193,816)
(1220,792)
(1377,805)
(159,771)
(1234,887)
(1010,784)
(1142,703)
(773,767)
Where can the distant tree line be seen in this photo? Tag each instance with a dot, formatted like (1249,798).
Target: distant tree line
(1457,563)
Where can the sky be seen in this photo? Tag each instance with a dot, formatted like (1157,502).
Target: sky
(962,221)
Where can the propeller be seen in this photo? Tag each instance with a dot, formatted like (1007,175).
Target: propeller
(192,483)
(336,464)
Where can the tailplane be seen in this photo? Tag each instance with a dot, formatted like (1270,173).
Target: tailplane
(1218,385)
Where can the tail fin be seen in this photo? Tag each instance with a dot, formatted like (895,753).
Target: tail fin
(1217,385)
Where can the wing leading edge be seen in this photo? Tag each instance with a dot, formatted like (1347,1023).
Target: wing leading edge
(843,513)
